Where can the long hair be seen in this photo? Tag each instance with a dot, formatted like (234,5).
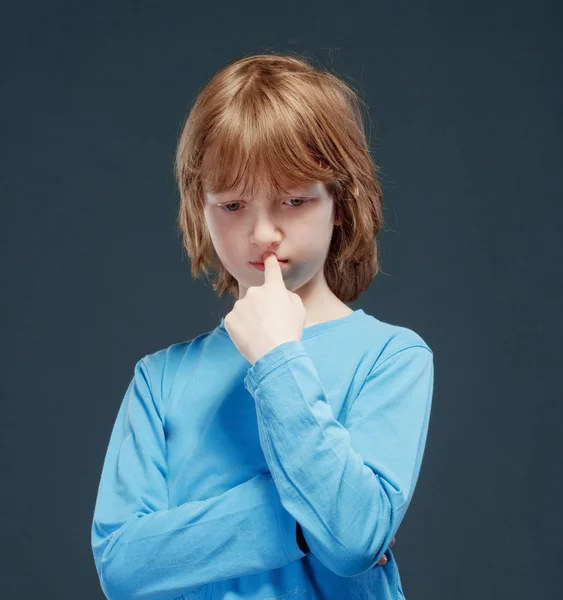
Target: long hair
(278,118)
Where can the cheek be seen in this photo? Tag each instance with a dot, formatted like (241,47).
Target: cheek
(218,232)
(226,241)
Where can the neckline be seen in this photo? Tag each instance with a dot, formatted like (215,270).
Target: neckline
(317,328)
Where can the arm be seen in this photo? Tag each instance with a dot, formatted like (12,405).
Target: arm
(144,549)
(349,486)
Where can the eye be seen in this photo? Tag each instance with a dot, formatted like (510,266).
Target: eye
(298,200)
(302,200)
(230,204)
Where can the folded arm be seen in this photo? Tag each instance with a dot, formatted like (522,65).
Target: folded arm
(145,549)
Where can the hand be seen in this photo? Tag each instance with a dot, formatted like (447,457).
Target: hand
(267,316)
(383,559)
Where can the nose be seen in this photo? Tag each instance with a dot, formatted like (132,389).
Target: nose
(264,233)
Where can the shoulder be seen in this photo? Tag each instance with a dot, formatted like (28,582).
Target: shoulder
(163,365)
(387,339)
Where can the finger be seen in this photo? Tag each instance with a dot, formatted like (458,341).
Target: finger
(272,269)
(392,543)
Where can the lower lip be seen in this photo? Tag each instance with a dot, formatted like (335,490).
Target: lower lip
(260,266)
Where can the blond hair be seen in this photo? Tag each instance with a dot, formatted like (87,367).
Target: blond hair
(281,118)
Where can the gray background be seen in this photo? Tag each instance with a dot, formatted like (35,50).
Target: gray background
(466,104)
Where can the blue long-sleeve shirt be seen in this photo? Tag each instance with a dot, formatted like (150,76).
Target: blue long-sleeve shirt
(213,463)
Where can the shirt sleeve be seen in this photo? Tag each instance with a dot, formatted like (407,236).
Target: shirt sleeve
(143,548)
(348,486)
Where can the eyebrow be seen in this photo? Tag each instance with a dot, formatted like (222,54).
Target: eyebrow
(296,191)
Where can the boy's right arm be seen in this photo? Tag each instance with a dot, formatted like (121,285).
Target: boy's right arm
(144,549)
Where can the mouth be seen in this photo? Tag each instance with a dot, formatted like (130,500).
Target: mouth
(260,265)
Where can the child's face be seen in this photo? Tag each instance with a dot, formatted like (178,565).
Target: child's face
(296,226)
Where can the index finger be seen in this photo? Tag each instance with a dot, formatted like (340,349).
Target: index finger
(272,269)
